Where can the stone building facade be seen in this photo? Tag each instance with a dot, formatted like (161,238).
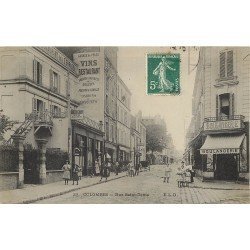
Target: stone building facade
(218,135)
(123,121)
(137,139)
(38,88)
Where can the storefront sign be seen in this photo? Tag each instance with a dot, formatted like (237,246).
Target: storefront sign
(220,151)
(77,114)
(91,83)
(220,125)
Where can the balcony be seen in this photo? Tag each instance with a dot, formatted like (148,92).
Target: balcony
(224,118)
(43,123)
(233,122)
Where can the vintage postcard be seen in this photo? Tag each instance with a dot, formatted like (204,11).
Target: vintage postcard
(124,125)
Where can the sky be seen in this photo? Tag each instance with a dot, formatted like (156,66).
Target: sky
(176,110)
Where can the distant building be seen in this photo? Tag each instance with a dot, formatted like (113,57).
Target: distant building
(123,121)
(138,139)
(218,135)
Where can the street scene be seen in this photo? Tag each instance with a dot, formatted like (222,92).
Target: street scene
(124,125)
(148,187)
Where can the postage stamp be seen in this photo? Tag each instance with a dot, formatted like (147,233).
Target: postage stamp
(163,74)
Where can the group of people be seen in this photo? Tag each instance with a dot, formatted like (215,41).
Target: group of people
(76,173)
(185,175)
(99,170)
(133,170)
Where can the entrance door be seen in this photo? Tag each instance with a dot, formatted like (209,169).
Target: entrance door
(30,162)
(226,167)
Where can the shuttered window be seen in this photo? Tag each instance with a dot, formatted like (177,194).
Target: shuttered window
(222,64)
(226,64)
(37,72)
(55,81)
(230,63)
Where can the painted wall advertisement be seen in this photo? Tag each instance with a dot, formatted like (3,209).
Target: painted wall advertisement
(91,82)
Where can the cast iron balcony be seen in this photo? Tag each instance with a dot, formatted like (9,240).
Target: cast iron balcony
(224,118)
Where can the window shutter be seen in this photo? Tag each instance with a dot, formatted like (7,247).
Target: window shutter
(51,78)
(59,112)
(35,71)
(217,106)
(44,106)
(230,63)
(231,104)
(34,104)
(51,109)
(40,72)
(59,84)
(222,64)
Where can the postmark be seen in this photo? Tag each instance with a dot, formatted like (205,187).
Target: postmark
(163,74)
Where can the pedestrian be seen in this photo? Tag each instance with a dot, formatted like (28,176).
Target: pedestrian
(66,172)
(131,169)
(137,168)
(75,174)
(116,167)
(167,173)
(181,175)
(105,172)
(80,173)
(192,172)
(97,168)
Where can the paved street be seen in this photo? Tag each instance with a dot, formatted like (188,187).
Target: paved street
(148,187)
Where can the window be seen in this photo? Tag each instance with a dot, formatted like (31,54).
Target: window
(55,111)
(225,106)
(37,72)
(54,82)
(226,64)
(38,105)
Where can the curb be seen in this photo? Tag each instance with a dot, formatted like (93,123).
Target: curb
(65,192)
(216,188)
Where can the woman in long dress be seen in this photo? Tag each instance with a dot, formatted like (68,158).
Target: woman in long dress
(97,168)
(161,72)
(66,172)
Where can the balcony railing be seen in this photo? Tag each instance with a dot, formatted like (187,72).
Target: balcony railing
(224,118)
(39,117)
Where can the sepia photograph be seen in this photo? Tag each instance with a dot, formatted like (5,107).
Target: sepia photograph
(124,125)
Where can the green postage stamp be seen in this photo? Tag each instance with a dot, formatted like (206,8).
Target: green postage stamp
(163,74)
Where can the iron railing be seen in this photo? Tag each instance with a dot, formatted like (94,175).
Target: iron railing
(39,117)
(224,118)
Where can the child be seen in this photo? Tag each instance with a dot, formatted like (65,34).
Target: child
(167,173)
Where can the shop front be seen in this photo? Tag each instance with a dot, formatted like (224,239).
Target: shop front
(123,154)
(224,156)
(87,146)
(110,152)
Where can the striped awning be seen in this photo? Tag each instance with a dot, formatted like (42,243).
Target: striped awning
(229,144)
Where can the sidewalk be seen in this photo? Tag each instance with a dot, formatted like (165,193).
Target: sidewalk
(32,193)
(221,185)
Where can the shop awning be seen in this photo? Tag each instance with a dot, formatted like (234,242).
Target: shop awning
(229,144)
(124,149)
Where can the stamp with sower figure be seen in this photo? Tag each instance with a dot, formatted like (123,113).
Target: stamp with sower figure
(163,74)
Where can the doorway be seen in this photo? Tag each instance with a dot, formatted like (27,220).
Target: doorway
(226,167)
